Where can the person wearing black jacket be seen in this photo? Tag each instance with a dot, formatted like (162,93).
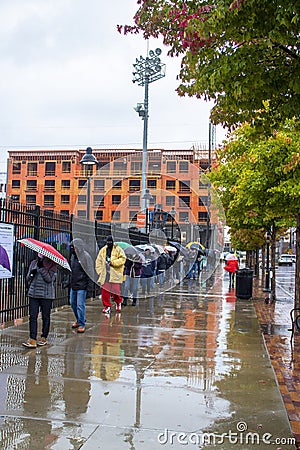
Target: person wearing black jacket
(82,266)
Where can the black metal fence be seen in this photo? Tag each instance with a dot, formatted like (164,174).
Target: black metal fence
(57,230)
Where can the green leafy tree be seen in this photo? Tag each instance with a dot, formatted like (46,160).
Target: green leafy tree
(266,190)
(242,54)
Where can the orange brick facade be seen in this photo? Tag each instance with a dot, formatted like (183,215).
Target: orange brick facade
(56,181)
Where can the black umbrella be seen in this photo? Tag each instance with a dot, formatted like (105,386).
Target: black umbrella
(184,251)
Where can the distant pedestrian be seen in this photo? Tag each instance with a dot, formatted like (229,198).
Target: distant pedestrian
(81,283)
(41,280)
(110,264)
(231,267)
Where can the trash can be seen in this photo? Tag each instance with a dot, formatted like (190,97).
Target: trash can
(244,279)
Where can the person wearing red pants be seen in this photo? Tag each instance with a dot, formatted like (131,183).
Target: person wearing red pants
(110,267)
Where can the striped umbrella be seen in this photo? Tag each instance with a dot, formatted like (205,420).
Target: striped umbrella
(47,250)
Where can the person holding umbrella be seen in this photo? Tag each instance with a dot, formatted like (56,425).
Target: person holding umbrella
(41,278)
(232,265)
(109,266)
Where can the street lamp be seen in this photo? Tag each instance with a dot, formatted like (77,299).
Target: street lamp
(146,70)
(267,284)
(147,197)
(172,214)
(88,161)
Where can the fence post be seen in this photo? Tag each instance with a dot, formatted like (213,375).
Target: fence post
(37,217)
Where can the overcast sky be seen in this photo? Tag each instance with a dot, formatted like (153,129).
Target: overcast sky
(66,81)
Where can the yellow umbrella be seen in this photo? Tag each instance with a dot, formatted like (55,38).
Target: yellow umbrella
(195,243)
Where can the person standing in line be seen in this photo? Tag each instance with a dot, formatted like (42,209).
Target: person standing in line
(148,273)
(41,280)
(132,272)
(82,268)
(109,266)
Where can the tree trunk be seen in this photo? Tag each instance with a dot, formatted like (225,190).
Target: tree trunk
(256,263)
(273,263)
(297,270)
(263,264)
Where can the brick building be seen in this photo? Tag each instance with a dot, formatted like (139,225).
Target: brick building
(55,180)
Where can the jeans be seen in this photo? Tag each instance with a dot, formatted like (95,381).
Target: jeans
(193,270)
(147,283)
(161,277)
(35,304)
(77,301)
(131,284)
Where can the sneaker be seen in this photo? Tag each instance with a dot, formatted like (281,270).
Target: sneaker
(42,341)
(75,325)
(118,307)
(30,343)
(106,310)
(80,330)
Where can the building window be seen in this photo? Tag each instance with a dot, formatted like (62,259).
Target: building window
(203,183)
(81,213)
(183,166)
(31,185)
(184,201)
(184,186)
(32,169)
(16,168)
(99,215)
(202,216)
(120,166)
(81,199)
(30,199)
(48,200)
(50,169)
(202,201)
(102,164)
(99,185)
(48,213)
(116,199)
(136,167)
(15,198)
(115,215)
(64,212)
(151,184)
(170,185)
(170,200)
(15,184)
(204,165)
(65,199)
(66,167)
(183,216)
(154,167)
(134,200)
(171,166)
(81,184)
(98,200)
(49,185)
(65,184)
(134,185)
(117,184)
(133,216)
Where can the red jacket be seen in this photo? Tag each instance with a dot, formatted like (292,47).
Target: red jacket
(232,265)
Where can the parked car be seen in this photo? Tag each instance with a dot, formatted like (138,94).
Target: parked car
(285,260)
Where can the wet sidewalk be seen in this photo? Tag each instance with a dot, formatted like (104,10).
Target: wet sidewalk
(185,369)
(275,322)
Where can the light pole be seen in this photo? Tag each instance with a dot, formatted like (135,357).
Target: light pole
(146,70)
(88,161)
(147,197)
(267,285)
(172,214)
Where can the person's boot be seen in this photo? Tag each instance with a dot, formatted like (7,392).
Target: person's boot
(133,302)
(124,302)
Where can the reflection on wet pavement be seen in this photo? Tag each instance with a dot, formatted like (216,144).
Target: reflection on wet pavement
(187,362)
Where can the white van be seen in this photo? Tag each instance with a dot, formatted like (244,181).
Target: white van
(285,260)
